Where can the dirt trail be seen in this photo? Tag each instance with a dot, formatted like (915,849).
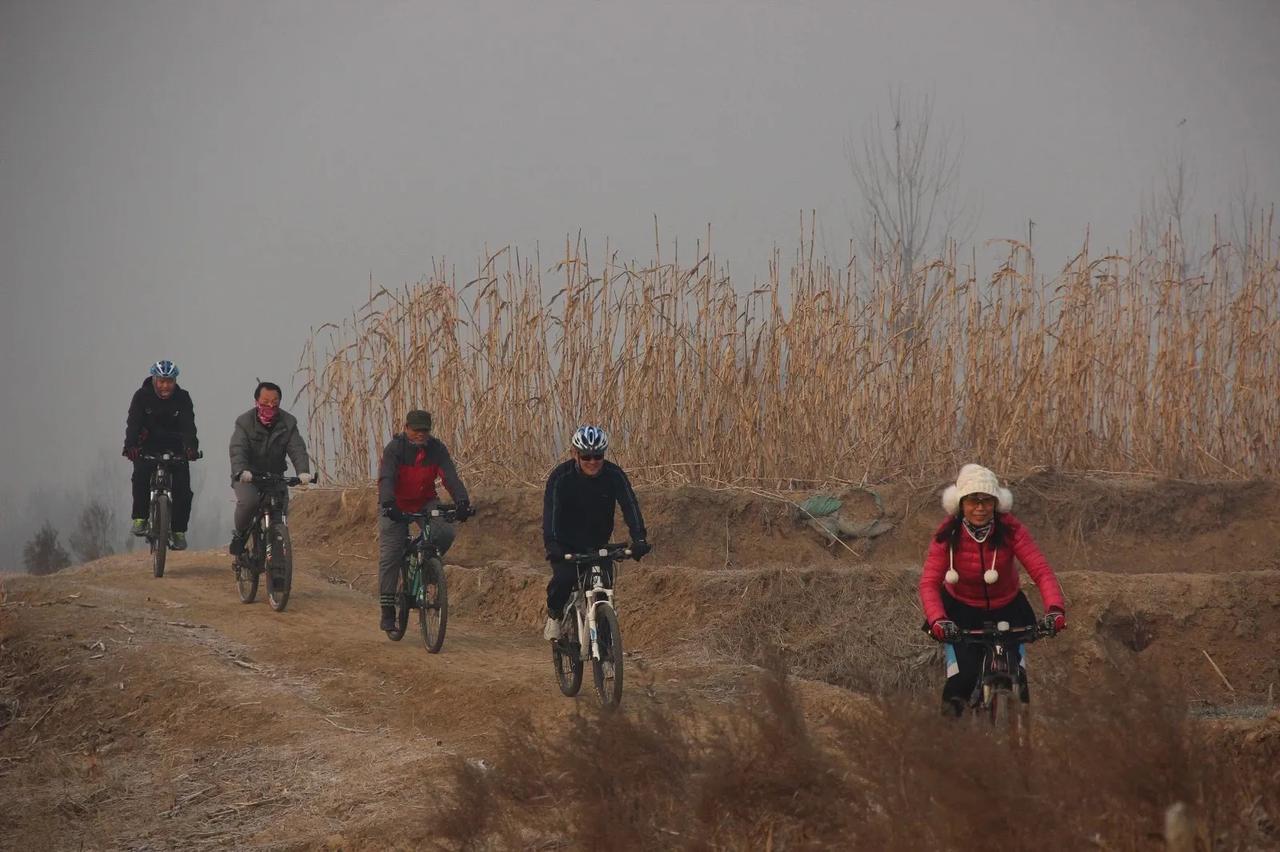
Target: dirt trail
(173,716)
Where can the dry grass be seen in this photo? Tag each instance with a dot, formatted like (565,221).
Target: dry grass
(1102,773)
(823,373)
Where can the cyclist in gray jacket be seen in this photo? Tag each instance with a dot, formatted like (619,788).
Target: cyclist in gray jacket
(263,437)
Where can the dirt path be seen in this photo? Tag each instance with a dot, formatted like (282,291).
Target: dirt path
(166,714)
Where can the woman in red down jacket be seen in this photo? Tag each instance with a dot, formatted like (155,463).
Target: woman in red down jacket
(969,577)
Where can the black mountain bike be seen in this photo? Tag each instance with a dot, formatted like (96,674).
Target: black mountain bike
(160,515)
(1002,683)
(589,628)
(267,549)
(422,584)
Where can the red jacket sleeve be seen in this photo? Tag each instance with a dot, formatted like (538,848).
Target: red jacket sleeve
(935,566)
(1028,553)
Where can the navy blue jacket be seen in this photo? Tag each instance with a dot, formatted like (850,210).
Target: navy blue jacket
(578,510)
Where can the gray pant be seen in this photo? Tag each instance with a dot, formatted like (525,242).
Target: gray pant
(392,537)
(247,498)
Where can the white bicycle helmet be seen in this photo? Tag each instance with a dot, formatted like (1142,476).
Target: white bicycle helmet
(590,439)
(164,369)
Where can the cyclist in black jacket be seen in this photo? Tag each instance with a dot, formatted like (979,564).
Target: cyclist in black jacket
(161,418)
(577,515)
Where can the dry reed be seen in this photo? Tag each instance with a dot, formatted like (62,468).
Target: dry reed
(823,373)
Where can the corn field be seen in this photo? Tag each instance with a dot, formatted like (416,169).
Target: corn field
(822,374)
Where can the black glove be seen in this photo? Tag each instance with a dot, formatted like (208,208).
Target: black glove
(389,510)
(463,511)
(555,553)
(192,454)
(131,453)
(639,548)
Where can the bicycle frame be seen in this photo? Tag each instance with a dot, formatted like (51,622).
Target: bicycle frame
(585,600)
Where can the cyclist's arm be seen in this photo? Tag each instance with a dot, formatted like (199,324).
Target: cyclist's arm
(239,449)
(1028,553)
(935,566)
(630,506)
(133,422)
(187,425)
(449,473)
(551,513)
(297,449)
(387,473)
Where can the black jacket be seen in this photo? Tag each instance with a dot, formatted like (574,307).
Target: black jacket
(255,447)
(157,424)
(578,510)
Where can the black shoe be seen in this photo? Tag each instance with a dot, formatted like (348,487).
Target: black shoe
(388,618)
(236,547)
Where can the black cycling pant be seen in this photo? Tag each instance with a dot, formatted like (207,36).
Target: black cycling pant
(564,579)
(180,479)
(964,662)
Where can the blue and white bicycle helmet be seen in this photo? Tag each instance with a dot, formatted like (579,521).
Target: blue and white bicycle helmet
(164,369)
(590,439)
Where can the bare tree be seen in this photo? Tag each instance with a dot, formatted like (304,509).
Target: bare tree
(43,554)
(905,169)
(92,538)
(1166,210)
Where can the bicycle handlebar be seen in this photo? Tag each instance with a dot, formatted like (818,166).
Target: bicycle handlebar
(169,456)
(269,478)
(609,551)
(445,511)
(985,635)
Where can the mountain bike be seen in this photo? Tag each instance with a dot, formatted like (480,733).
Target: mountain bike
(267,548)
(422,584)
(1000,691)
(160,515)
(590,614)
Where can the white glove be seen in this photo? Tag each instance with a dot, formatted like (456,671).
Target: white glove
(304,478)
(246,476)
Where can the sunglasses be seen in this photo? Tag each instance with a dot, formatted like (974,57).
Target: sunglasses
(591,456)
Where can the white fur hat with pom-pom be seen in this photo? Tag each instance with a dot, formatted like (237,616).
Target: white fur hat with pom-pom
(976,479)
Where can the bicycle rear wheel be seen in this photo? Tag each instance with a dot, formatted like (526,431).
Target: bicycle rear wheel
(566,656)
(433,608)
(402,605)
(279,566)
(607,666)
(159,533)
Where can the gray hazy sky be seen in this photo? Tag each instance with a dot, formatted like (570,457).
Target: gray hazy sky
(206,180)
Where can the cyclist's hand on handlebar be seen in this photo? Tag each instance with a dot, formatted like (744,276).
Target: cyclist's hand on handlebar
(639,548)
(131,453)
(245,476)
(463,511)
(1054,621)
(390,511)
(192,454)
(304,478)
(555,553)
(944,630)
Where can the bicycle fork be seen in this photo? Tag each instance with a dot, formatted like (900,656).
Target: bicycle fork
(586,616)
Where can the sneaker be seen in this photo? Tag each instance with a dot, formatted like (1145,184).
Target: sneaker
(388,618)
(552,631)
(236,547)
(139,526)
(178,541)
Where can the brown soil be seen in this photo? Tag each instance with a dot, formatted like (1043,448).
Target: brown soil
(154,714)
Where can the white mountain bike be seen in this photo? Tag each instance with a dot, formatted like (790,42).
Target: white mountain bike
(590,616)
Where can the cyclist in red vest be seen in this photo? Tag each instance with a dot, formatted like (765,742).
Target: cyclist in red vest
(412,463)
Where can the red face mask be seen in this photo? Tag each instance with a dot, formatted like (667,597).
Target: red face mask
(267,413)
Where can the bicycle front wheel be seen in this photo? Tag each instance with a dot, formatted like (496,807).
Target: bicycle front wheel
(159,533)
(607,664)
(279,567)
(433,608)
(566,656)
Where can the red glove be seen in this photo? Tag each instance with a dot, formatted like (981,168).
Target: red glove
(131,453)
(944,630)
(1054,621)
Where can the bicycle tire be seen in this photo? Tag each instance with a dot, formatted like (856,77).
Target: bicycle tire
(159,534)
(566,657)
(433,609)
(402,604)
(279,567)
(249,566)
(606,667)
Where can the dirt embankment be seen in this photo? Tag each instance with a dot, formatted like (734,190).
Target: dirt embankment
(153,714)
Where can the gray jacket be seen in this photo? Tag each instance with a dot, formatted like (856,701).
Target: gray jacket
(255,447)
